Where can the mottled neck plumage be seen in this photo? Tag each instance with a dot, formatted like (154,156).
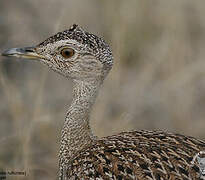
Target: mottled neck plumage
(76,133)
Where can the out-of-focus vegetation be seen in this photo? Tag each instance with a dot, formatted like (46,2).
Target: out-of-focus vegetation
(157,82)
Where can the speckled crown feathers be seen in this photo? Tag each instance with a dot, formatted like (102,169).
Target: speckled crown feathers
(97,45)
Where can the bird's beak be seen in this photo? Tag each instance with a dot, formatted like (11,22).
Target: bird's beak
(26,52)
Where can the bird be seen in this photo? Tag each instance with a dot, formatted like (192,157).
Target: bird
(86,59)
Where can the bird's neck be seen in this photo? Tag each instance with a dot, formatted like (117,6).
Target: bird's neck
(76,133)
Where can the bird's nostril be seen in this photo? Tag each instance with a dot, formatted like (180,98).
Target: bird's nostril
(29,49)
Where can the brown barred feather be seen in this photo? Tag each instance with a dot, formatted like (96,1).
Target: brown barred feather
(139,155)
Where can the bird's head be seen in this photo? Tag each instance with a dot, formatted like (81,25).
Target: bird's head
(73,53)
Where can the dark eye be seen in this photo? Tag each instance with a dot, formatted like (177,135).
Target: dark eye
(67,52)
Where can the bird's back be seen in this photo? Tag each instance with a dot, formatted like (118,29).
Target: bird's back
(138,155)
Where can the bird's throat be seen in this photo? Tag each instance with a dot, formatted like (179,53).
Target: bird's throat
(76,133)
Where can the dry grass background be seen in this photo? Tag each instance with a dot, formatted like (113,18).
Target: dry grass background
(158,79)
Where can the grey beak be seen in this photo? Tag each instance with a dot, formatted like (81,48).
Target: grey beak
(26,52)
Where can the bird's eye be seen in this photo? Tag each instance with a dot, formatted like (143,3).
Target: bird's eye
(67,52)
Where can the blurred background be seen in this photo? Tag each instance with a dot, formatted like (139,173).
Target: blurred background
(157,82)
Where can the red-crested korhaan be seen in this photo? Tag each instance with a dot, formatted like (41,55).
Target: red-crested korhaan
(142,155)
